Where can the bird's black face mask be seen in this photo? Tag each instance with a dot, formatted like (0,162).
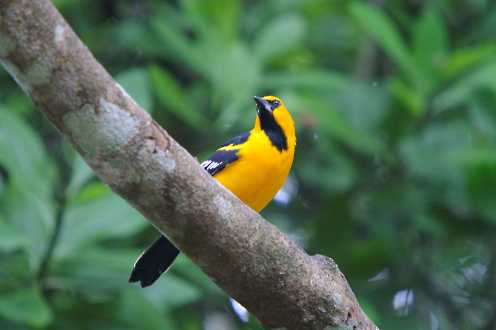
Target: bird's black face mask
(268,123)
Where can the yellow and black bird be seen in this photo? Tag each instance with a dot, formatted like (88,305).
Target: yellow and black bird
(252,165)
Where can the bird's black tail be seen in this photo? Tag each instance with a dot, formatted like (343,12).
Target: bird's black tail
(153,262)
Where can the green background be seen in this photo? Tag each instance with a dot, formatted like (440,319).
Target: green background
(394,176)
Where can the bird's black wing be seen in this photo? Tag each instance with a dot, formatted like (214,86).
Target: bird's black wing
(239,139)
(219,160)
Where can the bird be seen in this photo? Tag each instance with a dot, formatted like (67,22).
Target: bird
(252,165)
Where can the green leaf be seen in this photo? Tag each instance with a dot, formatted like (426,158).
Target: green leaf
(481,185)
(95,217)
(427,223)
(181,49)
(135,82)
(234,74)
(10,237)
(314,80)
(25,305)
(171,96)
(409,97)
(134,37)
(16,270)
(27,201)
(81,173)
(23,155)
(370,309)
(19,105)
(464,59)
(430,39)
(219,18)
(94,271)
(139,313)
(376,24)
(273,40)
(461,91)
(61,4)
(446,141)
(333,123)
(171,291)
(113,269)
(342,176)
(365,106)
(33,217)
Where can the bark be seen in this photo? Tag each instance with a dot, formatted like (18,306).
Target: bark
(244,254)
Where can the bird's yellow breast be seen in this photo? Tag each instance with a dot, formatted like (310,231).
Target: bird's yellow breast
(259,172)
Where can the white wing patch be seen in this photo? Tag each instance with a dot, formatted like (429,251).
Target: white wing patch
(218,161)
(210,165)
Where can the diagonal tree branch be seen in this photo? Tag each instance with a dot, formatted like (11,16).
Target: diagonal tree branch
(244,254)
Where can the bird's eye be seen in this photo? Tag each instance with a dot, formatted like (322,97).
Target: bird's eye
(275,104)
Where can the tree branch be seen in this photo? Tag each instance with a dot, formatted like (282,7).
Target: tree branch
(244,254)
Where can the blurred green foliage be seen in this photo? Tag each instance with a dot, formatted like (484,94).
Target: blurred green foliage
(395,172)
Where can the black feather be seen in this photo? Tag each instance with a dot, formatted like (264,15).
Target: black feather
(277,138)
(237,140)
(153,262)
(219,160)
(273,130)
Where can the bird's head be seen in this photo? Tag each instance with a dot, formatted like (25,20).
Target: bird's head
(274,118)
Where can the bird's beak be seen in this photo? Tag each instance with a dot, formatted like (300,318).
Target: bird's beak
(263,106)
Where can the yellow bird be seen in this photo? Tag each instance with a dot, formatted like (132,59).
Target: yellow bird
(252,165)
